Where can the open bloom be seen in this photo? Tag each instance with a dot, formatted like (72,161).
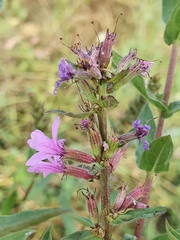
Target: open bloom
(141,131)
(52,152)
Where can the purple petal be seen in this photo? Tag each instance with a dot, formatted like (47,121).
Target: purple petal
(46,168)
(136,123)
(37,158)
(145,145)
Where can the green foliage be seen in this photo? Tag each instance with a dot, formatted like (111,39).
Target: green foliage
(47,234)
(172,234)
(21,235)
(128,237)
(81,235)
(84,221)
(9,203)
(70,114)
(173,107)
(167,9)
(137,214)
(25,219)
(157,158)
(172,30)
(138,83)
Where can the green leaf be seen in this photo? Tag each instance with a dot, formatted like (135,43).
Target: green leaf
(47,234)
(146,117)
(9,203)
(129,237)
(138,83)
(70,114)
(22,235)
(172,29)
(164,236)
(172,108)
(24,219)
(115,59)
(172,234)
(1,4)
(81,235)
(157,158)
(84,221)
(167,9)
(137,214)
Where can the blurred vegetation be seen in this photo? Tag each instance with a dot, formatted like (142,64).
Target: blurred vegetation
(30,50)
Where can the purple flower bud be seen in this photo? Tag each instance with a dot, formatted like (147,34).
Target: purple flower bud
(106,49)
(114,161)
(125,61)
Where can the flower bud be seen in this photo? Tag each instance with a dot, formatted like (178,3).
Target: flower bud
(77,156)
(78,172)
(92,206)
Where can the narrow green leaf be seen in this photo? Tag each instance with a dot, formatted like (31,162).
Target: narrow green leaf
(138,83)
(172,108)
(157,158)
(172,234)
(137,214)
(1,4)
(115,59)
(164,236)
(22,235)
(172,29)
(81,235)
(70,114)
(24,219)
(129,237)
(167,9)
(9,203)
(146,117)
(84,221)
(47,234)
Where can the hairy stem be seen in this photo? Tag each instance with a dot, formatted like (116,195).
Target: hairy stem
(166,95)
(105,172)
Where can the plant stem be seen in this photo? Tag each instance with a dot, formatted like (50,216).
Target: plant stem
(166,95)
(105,172)
(167,88)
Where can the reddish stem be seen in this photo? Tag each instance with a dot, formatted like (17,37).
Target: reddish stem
(166,95)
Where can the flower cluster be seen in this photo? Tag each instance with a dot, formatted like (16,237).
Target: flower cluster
(92,64)
(124,201)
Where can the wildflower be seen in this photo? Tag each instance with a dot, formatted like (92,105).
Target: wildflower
(52,152)
(65,70)
(141,131)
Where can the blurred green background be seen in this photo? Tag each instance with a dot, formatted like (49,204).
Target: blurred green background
(30,50)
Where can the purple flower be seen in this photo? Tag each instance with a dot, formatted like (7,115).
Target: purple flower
(51,152)
(50,149)
(65,70)
(141,131)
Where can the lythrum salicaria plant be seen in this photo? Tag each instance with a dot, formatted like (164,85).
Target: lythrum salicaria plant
(98,73)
